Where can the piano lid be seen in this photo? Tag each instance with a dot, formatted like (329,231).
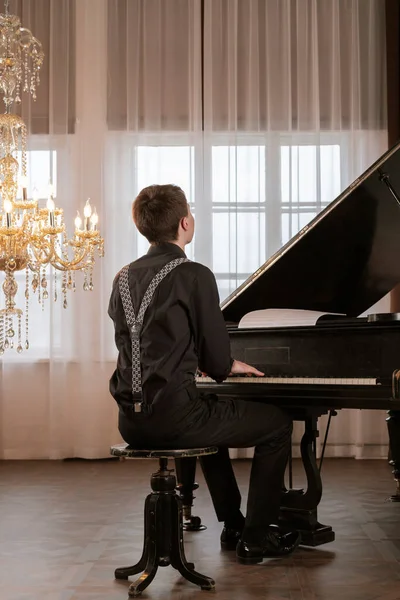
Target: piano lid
(343,261)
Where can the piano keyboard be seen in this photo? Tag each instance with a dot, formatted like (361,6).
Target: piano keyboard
(294,380)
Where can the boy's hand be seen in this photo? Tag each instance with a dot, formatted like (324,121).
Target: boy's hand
(241,368)
(201,373)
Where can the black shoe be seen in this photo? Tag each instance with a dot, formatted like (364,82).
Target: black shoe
(230,538)
(273,545)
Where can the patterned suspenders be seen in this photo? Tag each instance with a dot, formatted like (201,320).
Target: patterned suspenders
(135,322)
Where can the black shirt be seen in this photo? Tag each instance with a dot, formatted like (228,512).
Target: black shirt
(183,328)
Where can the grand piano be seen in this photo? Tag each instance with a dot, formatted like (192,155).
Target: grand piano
(340,264)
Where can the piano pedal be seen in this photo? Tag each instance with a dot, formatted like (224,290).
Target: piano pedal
(293,492)
(313,533)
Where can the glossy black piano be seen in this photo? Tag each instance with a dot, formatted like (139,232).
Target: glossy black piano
(332,271)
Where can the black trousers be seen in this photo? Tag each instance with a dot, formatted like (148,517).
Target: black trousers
(226,423)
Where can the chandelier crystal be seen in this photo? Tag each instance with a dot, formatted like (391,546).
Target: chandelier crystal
(33,238)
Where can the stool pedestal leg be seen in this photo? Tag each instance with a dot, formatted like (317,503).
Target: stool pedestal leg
(178,558)
(125,572)
(163,536)
(152,550)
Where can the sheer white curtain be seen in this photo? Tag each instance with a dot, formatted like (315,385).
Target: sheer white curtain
(262,110)
(54,399)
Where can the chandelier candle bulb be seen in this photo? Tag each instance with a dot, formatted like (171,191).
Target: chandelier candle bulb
(78,221)
(87,212)
(94,219)
(24,185)
(7,209)
(50,207)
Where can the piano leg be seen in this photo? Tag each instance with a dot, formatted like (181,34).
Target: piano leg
(185,474)
(393,424)
(299,508)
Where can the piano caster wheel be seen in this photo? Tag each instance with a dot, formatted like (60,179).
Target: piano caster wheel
(193,524)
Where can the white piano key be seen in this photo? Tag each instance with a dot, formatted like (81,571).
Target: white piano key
(294,380)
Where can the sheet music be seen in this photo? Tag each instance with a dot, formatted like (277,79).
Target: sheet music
(282,317)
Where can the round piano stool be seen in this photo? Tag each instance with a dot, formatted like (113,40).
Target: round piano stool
(163,522)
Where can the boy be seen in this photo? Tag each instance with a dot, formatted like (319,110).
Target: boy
(168,324)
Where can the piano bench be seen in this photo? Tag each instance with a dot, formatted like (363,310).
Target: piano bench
(163,521)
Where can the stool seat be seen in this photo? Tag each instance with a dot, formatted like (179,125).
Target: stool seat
(126,451)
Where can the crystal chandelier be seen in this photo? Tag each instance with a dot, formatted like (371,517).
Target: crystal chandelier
(32,238)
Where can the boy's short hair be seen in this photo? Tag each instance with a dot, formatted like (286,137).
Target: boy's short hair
(157,211)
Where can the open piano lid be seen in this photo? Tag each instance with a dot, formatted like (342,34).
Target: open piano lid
(343,261)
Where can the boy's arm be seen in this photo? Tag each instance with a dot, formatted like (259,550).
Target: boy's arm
(209,328)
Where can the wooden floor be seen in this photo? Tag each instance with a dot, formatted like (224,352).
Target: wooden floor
(65,526)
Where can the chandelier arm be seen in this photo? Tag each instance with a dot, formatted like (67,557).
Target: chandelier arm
(42,249)
(39,263)
(70,265)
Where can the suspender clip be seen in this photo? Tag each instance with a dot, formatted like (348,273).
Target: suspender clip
(137,407)
(135,331)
